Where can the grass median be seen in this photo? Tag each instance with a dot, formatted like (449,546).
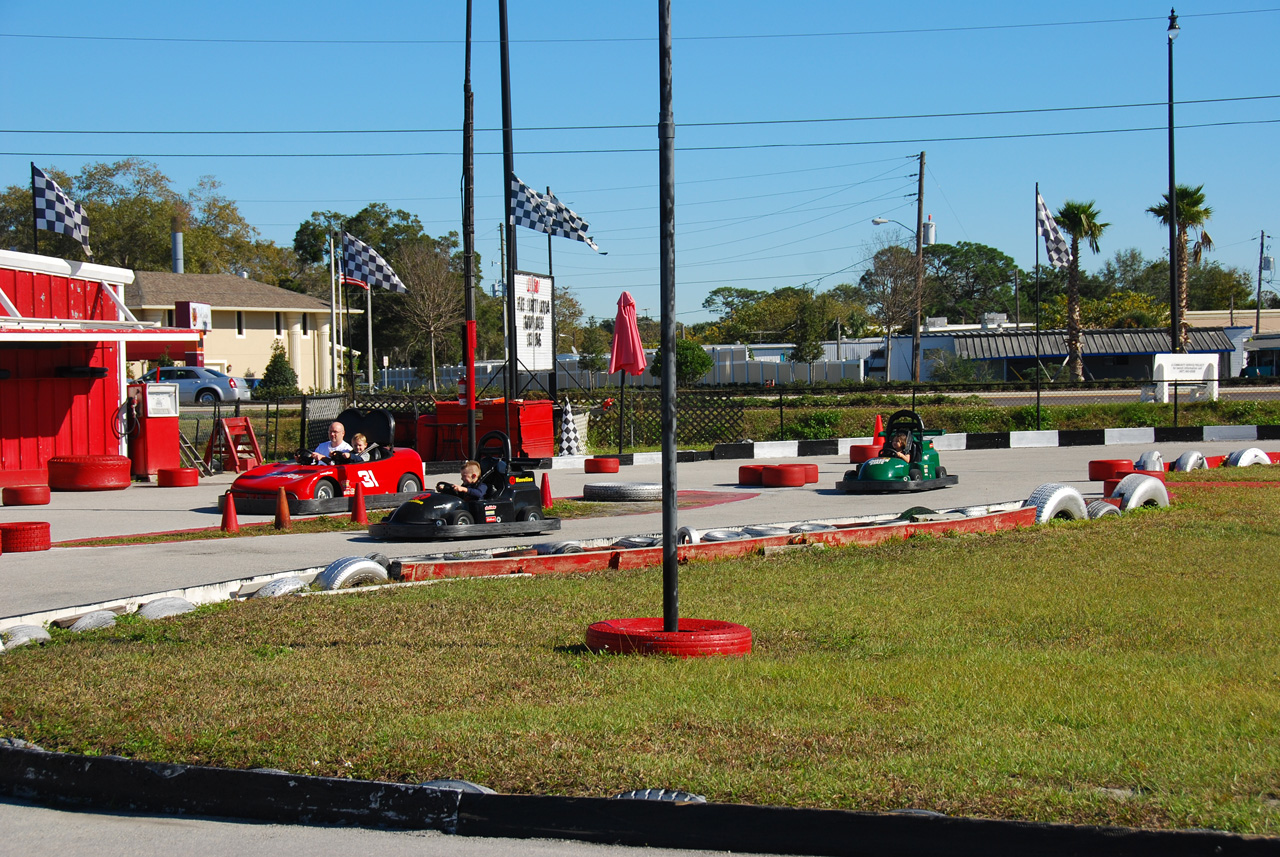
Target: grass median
(1121,671)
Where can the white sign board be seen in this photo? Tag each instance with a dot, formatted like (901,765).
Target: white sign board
(198,316)
(533,323)
(1187,369)
(162,400)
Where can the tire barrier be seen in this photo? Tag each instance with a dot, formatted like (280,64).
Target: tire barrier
(688,536)
(1055,501)
(1101,509)
(1188,461)
(749,474)
(1109,468)
(163,608)
(177,477)
(351,571)
(810,473)
(1247,458)
(24,536)
(782,475)
(638,542)
(601,465)
(696,637)
(860,452)
(25,495)
(89,472)
(459,786)
(811,528)
(280,586)
(724,534)
(671,795)
(761,532)
(1150,460)
(21,635)
(93,621)
(1140,489)
(550,548)
(614,491)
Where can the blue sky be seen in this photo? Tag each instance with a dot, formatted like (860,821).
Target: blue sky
(782,160)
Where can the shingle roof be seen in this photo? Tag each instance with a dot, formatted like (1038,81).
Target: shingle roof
(221,291)
(1004,344)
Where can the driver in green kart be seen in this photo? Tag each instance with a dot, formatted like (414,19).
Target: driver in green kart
(898,445)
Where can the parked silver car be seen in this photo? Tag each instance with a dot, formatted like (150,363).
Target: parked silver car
(197,385)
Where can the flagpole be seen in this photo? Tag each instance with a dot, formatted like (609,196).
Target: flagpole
(35,214)
(333,318)
(1039,371)
(469,242)
(553,381)
(667,251)
(368,303)
(509,170)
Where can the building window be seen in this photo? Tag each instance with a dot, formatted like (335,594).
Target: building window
(168,318)
(306,325)
(279,324)
(239,324)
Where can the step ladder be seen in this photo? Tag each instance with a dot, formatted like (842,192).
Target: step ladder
(234,441)
(190,456)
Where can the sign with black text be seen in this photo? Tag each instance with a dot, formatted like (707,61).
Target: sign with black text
(534,346)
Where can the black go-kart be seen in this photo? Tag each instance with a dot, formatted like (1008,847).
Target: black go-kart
(512,507)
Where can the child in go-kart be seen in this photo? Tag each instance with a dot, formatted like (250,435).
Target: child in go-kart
(471,488)
(898,446)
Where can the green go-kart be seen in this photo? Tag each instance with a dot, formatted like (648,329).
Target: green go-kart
(889,474)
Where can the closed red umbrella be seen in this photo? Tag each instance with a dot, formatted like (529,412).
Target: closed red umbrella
(626,353)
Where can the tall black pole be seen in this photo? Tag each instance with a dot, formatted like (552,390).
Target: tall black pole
(553,382)
(469,242)
(1039,369)
(915,343)
(1175,306)
(1257,313)
(667,228)
(509,174)
(35,213)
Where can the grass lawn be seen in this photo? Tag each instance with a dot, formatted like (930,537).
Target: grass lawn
(1121,671)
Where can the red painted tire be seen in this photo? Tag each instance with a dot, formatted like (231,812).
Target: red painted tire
(810,473)
(749,474)
(1109,485)
(1108,468)
(601,465)
(25,495)
(860,452)
(178,477)
(696,638)
(89,473)
(23,536)
(782,475)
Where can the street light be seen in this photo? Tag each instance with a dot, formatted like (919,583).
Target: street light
(1175,326)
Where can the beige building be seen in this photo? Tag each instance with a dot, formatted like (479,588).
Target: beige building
(1269,320)
(248,318)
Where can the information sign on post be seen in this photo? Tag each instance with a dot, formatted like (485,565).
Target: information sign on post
(533,323)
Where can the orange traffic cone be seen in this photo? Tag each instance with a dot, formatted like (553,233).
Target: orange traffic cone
(283,521)
(358,513)
(230,524)
(879,426)
(546,492)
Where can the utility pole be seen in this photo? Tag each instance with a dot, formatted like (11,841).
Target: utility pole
(1262,250)
(915,339)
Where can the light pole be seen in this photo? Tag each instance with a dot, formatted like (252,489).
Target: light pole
(1175,325)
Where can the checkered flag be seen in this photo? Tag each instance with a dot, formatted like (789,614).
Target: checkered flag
(546,214)
(362,265)
(55,211)
(570,443)
(1054,244)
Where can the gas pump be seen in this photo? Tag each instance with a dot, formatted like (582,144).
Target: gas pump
(153,444)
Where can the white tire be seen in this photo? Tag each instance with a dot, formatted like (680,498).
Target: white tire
(280,586)
(1138,489)
(1101,509)
(1055,501)
(724,535)
(549,548)
(670,795)
(1247,457)
(93,621)
(688,536)
(811,528)
(1149,460)
(20,635)
(1189,461)
(638,542)
(760,532)
(459,786)
(622,491)
(162,608)
(351,571)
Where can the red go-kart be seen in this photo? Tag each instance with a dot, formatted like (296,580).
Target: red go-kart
(390,477)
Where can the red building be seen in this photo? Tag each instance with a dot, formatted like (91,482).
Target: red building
(65,335)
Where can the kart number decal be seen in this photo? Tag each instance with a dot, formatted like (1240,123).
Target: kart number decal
(367,478)
(876,460)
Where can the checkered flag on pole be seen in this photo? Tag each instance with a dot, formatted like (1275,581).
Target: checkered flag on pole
(362,265)
(570,443)
(546,214)
(1054,244)
(56,212)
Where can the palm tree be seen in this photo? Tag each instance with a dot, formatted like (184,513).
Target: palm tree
(1079,220)
(1192,214)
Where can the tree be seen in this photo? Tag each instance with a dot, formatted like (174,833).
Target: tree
(966,280)
(727,300)
(806,332)
(692,362)
(592,347)
(1192,214)
(279,379)
(887,288)
(433,301)
(1079,220)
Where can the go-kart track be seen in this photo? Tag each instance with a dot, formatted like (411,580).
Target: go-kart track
(40,586)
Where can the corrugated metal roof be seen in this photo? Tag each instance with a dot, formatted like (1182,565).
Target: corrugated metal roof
(1008,344)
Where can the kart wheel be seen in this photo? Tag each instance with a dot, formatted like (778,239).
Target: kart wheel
(206,397)
(942,471)
(409,484)
(1139,489)
(325,490)
(463,518)
(1055,501)
(529,514)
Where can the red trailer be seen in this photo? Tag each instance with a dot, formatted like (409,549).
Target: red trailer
(65,336)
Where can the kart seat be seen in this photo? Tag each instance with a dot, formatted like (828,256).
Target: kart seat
(378,426)
(493,472)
